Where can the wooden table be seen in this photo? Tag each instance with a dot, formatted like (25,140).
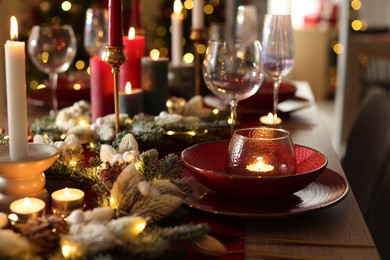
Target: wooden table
(342,222)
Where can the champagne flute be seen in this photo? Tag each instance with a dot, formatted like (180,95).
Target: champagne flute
(95,30)
(278,52)
(52,49)
(232,71)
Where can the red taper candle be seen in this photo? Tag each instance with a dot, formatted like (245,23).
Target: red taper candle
(115,31)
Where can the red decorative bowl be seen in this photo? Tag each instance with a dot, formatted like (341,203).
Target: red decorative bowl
(206,162)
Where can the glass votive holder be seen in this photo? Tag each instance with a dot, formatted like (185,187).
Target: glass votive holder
(66,200)
(261,151)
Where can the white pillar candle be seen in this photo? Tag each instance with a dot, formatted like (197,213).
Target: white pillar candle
(26,208)
(198,15)
(177,33)
(66,200)
(16,95)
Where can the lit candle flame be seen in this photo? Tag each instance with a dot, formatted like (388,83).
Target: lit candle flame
(27,202)
(131,34)
(260,166)
(14,28)
(67,193)
(155,55)
(128,88)
(177,7)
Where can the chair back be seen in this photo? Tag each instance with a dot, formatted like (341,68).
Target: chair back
(378,218)
(368,149)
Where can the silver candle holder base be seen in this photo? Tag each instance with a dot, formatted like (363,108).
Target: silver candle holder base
(25,178)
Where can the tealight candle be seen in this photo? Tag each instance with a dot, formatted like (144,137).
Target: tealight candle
(260,166)
(66,200)
(26,208)
(131,100)
(270,119)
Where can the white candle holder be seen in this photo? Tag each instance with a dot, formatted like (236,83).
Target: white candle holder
(25,178)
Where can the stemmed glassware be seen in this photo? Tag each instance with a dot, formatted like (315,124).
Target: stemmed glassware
(95,30)
(232,70)
(52,49)
(278,51)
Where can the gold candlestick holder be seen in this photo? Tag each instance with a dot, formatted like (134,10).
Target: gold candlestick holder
(115,57)
(198,37)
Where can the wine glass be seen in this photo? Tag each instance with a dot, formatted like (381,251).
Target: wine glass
(52,49)
(95,30)
(232,70)
(278,51)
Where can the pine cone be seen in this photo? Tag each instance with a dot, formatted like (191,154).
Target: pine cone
(45,231)
(111,173)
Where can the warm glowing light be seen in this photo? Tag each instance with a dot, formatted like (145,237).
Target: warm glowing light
(77,86)
(128,87)
(80,64)
(230,121)
(215,111)
(356,25)
(27,202)
(259,166)
(170,132)
(201,48)
(188,58)
(177,7)
(270,119)
(66,6)
(131,33)
(33,84)
(83,122)
(112,201)
(356,5)
(66,250)
(169,103)
(155,54)
(13,217)
(73,163)
(45,57)
(41,86)
(189,4)
(14,28)
(63,136)
(208,9)
(338,48)
(66,193)
(139,227)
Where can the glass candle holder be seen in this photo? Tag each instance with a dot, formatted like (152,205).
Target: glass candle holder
(261,151)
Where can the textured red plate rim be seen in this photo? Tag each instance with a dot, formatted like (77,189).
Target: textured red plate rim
(333,185)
